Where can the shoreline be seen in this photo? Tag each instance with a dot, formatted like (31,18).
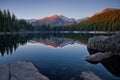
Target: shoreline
(75,32)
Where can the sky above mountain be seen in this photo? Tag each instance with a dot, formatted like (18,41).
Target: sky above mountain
(35,9)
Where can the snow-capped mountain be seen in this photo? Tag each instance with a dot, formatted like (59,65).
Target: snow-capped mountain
(55,20)
(67,19)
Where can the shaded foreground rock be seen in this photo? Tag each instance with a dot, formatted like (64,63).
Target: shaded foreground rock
(20,71)
(89,76)
(112,65)
(105,50)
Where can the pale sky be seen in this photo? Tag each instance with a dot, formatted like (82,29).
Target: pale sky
(35,9)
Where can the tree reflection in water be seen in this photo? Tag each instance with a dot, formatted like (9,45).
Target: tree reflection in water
(9,43)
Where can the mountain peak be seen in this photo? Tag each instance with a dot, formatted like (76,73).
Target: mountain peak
(105,10)
(50,18)
(54,16)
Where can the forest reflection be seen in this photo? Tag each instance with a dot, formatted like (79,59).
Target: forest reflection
(9,43)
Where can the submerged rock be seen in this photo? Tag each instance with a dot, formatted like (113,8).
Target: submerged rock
(89,76)
(20,71)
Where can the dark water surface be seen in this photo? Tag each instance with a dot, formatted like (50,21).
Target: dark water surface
(58,56)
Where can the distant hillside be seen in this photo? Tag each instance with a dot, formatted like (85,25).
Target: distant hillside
(107,19)
(106,15)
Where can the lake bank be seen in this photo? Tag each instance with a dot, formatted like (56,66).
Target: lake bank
(91,32)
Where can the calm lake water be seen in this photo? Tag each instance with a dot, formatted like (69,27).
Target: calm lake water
(58,56)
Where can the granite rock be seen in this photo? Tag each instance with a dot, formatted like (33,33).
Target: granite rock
(20,71)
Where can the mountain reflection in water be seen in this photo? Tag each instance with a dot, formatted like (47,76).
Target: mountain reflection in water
(8,43)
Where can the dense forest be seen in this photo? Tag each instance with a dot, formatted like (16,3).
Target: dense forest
(108,20)
(9,22)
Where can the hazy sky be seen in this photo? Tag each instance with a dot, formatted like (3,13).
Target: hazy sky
(35,9)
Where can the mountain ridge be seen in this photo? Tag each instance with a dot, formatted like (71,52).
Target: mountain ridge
(55,20)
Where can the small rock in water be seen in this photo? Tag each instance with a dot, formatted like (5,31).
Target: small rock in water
(94,58)
(89,76)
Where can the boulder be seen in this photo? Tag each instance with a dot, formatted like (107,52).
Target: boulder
(105,43)
(102,47)
(89,76)
(20,71)
(95,58)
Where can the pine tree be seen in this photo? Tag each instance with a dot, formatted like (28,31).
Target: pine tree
(1,17)
(9,23)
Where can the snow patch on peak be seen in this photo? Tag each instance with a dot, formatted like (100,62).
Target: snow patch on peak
(67,19)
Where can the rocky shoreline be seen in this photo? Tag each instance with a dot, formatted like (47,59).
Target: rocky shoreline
(105,50)
(102,47)
(22,70)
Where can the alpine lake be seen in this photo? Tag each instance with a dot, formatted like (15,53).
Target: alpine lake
(59,56)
